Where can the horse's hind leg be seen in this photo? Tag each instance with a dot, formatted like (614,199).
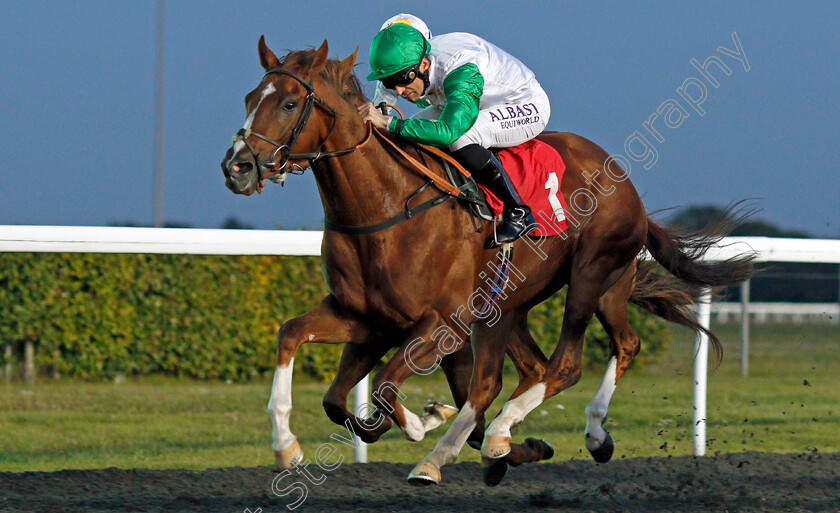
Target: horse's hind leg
(485,384)
(358,360)
(624,346)
(456,367)
(590,278)
(490,343)
(421,353)
(527,357)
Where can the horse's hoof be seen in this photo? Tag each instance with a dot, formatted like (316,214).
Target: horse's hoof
(494,471)
(603,453)
(495,446)
(424,474)
(289,457)
(545,448)
(441,410)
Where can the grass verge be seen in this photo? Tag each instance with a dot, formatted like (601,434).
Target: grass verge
(789,403)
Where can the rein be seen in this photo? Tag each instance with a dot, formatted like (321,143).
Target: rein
(449,191)
(425,171)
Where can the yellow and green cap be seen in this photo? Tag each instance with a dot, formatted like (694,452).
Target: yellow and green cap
(394,49)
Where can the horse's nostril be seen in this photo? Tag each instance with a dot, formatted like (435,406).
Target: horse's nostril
(241,167)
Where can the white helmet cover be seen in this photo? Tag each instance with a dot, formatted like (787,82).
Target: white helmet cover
(410,20)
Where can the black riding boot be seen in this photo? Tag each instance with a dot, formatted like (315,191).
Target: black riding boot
(517,219)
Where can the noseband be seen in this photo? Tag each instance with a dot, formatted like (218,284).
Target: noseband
(284,149)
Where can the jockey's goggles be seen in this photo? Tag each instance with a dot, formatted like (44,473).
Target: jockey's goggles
(401,78)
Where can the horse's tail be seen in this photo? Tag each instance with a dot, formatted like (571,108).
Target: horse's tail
(670,296)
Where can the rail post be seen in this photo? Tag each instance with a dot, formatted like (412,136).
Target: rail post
(701,365)
(7,368)
(745,328)
(29,361)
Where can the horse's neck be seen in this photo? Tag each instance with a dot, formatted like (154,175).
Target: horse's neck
(363,187)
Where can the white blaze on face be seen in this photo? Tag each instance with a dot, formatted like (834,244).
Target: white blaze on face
(596,410)
(280,407)
(515,410)
(267,90)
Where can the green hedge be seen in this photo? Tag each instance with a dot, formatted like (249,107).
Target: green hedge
(96,316)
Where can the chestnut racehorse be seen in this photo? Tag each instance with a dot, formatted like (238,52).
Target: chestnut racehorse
(412,284)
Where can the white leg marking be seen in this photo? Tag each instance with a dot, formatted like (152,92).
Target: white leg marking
(515,410)
(449,446)
(280,407)
(413,429)
(596,410)
(433,416)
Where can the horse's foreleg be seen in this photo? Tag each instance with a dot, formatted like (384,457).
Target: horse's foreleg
(531,364)
(625,345)
(419,354)
(323,324)
(357,360)
(485,384)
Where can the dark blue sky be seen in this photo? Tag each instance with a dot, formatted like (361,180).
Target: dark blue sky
(77,96)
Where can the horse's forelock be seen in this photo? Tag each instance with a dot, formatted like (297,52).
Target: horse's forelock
(297,60)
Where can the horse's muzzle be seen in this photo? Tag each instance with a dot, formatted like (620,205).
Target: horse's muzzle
(241,176)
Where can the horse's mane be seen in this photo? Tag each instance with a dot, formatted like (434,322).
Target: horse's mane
(346,84)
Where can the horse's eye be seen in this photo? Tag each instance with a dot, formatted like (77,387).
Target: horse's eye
(290,105)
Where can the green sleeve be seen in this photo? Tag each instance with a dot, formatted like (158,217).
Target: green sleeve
(462,87)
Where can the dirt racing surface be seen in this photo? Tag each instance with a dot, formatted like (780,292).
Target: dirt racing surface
(733,482)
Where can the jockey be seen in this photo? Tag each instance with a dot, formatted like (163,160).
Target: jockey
(382,94)
(473,96)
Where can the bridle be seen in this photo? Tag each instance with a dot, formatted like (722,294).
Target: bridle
(283,150)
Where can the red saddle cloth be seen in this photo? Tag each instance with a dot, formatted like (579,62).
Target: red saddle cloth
(536,170)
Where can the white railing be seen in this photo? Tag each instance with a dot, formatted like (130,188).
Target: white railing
(88,239)
(185,241)
(795,313)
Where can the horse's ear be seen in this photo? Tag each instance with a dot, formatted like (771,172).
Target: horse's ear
(267,57)
(347,64)
(320,60)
